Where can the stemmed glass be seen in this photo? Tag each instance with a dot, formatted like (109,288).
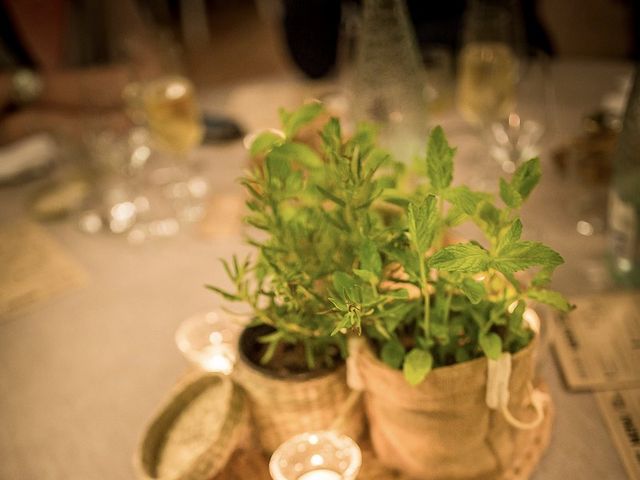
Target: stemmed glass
(487,64)
(172,116)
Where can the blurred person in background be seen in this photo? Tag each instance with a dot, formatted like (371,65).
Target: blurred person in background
(64,64)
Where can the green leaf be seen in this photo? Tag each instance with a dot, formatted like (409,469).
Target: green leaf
(392,353)
(343,282)
(473,290)
(488,219)
(520,255)
(461,355)
(462,257)
(370,257)
(296,153)
(439,159)
(542,278)
(510,196)
(417,364)
(264,142)
(491,345)
(330,196)
(550,297)
(366,275)
(513,234)
(332,136)
(465,199)
(226,295)
(423,221)
(278,166)
(294,121)
(526,177)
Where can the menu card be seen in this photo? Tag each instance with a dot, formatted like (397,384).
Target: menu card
(621,411)
(33,267)
(598,344)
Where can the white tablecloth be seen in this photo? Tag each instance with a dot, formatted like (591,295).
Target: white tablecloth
(82,372)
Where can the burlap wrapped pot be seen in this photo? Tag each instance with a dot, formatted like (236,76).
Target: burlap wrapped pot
(284,407)
(443,428)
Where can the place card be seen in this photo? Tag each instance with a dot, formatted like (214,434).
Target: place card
(33,267)
(621,411)
(598,344)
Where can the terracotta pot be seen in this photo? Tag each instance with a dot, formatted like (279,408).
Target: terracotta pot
(284,406)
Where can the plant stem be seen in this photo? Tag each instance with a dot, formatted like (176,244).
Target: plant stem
(425,292)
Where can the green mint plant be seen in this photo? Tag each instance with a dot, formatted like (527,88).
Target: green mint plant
(314,211)
(424,303)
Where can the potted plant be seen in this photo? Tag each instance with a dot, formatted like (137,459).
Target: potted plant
(310,207)
(442,320)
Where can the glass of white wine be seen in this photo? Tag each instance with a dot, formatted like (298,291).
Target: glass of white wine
(488,66)
(172,116)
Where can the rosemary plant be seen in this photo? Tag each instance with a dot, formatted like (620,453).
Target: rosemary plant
(314,211)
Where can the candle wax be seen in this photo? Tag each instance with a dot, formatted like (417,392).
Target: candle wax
(321,474)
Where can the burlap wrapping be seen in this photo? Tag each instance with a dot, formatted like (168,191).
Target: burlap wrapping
(283,408)
(443,429)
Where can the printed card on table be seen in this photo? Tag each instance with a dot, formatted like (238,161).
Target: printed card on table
(621,411)
(598,344)
(33,267)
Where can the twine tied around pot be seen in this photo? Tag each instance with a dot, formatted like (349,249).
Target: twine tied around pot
(497,397)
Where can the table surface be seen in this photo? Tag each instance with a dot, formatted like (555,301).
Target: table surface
(81,373)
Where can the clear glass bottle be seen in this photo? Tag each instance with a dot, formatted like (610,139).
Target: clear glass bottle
(624,195)
(388,80)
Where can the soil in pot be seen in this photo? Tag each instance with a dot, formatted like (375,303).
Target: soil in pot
(288,360)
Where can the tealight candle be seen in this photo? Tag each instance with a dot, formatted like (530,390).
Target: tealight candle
(324,455)
(322,474)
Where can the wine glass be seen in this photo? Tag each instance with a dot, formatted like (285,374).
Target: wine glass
(172,116)
(518,137)
(487,65)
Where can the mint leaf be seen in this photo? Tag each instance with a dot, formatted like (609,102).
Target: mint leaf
(520,255)
(392,353)
(473,290)
(491,345)
(549,297)
(509,195)
(514,233)
(264,142)
(488,219)
(542,278)
(423,220)
(294,121)
(439,159)
(417,364)
(299,153)
(511,236)
(526,177)
(369,257)
(465,199)
(462,257)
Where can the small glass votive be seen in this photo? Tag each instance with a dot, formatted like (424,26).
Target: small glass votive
(323,455)
(209,341)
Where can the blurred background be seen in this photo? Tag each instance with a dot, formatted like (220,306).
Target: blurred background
(125,124)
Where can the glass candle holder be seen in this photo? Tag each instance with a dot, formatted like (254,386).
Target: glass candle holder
(324,455)
(209,341)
